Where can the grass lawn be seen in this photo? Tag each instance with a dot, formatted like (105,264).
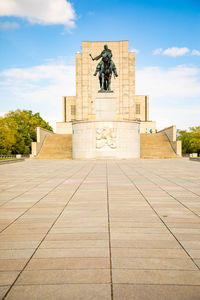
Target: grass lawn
(7,158)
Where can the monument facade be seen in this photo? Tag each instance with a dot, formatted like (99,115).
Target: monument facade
(128,105)
(115,111)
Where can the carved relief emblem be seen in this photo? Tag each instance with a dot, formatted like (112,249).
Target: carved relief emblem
(106,136)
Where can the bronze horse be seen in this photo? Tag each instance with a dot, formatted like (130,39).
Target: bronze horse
(105,75)
(105,68)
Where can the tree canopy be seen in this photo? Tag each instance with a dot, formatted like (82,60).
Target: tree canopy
(190,140)
(17,131)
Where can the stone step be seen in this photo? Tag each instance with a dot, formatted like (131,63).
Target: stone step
(56,146)
(155,146)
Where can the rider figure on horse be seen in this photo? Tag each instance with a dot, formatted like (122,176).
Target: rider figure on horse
(106,56)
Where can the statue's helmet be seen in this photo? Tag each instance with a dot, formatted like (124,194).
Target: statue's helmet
(106,47)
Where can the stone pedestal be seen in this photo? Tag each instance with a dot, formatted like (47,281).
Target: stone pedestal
(106,107)
(105,139)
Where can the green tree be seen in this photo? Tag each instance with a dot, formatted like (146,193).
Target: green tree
(190,140)
(8,132)
(17,131)
(195,138)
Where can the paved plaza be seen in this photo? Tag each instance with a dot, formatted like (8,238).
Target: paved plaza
(100,230)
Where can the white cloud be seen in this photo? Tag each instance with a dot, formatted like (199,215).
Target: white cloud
(135,50)
(174,94)
(44,12)
(157,51)
(173,51)
(175,83)
(9,25)
(2,114)
(195,52)
(39,88)
(183,117)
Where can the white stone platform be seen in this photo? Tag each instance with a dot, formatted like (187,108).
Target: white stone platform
(104,139)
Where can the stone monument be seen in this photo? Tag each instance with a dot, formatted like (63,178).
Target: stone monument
(104,124)
(110,122)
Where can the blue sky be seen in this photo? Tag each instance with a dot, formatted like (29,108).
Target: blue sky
(39,39)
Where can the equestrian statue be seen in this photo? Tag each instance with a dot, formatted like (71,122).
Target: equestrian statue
(105,68)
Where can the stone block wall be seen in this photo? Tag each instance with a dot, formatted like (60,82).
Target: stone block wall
(83,104)
(69,108)
(143,103)
(87,85)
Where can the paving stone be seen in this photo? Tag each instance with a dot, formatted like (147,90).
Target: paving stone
(145,244)
(64,276)
(69,263)
(16,253)
(7,278)
(149,253)
(78,229)
(137,219)
(142,236)
(197,261)
(72,252)
(20,238)
(12,264)
(3,290)
(184,225)
(75,244)
(19,245)
(115,224)
(153,263)
(186,230)
(21,229)
(191,244)
(140,230)
(188,237)
(155,292)
(193,219)
(61,292)
(76,236)
(194,253)
(156,277)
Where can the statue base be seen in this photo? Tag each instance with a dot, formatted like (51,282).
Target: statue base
(104,91)
(105,107)
(105,140)
(105,136)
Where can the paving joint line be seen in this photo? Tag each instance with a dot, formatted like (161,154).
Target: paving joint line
(109,232)
(172,195)
(29,180)
(168,192)
(28,189)
(8,291)
(40,199)
(105,283)
(159,217)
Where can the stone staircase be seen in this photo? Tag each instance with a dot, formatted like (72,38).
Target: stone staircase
(156,145)
(56,146)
